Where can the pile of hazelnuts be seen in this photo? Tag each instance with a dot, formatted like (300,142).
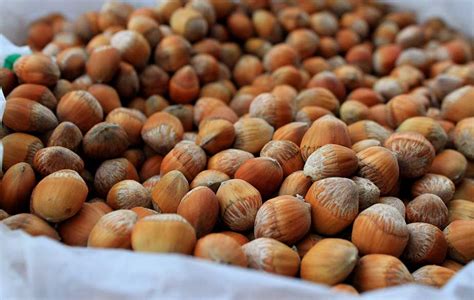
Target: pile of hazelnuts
(331,140)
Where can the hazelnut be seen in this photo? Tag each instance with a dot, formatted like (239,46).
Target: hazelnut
(451,264)
(239,202)
(292,132)
(186,157)
(331,160)
(153,81)
(240,25)
(438,185)
(107,97)
(428,127)
(80,108)
(155,103)
(295,184)
(146,26)
(375,271)
(19,147)
(451,164)
(385,57)
(228,161)
(329,81)
(75,231)
(428,208)
(189,23)
(51,159)
(103,63)
(220,248)
(131,120)
(251,134)
(278,56)
(369,193)
(309,114)
(16,187)
(426,244)
(264,173)
(329,262)
(345,288)
(394,202)
(184,85)
(325,130)
(352,111)
(238,237)
(143,212)
(324,23)
(96,141)
(209,178)
(304,41)
(215,135)
(272,256)
(126,81)
(164,233)
(286,153)
(200,208)
(317,96)
(37,68)
(162,131)
(133,47)
(127,194)
(34,92)
(212,108)
(465,190)
(168,192)
(26,115)
(284,218)
(401,108)
(334,204)
(413,151)
(458,234)
(30,224)
(380,166)
(386,228)
(364,144)
(172,53)
(433,275)
(266,25)
(366,96)
(59,196)
(463,137)
(460,210)
(113,230)
(111,172)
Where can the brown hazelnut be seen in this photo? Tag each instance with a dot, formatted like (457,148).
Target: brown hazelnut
(334,204)
(284,218)
(272,256)
(37,68)
(168,192)
(16,187)
(186,157)
(19,147)
(80,108)
(319,263)
(105,141)
(200,208)
(59,196)
(376,271)
(426,244)
(386,228)
(239,202)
